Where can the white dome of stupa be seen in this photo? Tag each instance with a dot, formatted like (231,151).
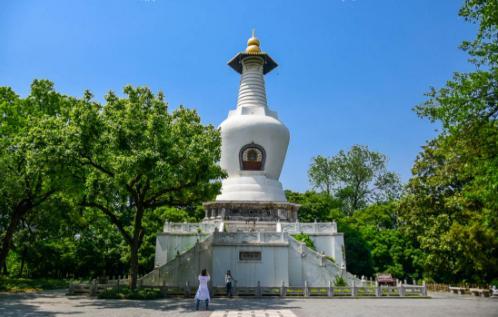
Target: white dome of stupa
(254,140)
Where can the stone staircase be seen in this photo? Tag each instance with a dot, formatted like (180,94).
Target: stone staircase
(315,268)
(184,268)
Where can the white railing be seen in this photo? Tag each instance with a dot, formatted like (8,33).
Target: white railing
(290,227)
(188,290)
(250,237)
(175,227)
(309,227)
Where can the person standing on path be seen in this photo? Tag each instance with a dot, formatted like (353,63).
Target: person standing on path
(228,283)
(203,290)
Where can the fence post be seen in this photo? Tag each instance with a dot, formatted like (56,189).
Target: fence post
(401,290)
(353,289)
(306,291)
(283,290)
(93,288)
(71,289)
(424,288)
(258,289)
(330,290)
(187,289)
(377,289)
(164,289)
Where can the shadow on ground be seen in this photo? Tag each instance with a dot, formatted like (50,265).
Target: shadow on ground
(15,305)
(181,305)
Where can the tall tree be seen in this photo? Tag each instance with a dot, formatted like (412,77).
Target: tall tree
(32,154)
(321,173)
(137,156)
(451,205)
(315,206)
(357,177)
(389,250)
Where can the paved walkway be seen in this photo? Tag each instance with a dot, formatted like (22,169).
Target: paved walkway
(254,313)
(54,303)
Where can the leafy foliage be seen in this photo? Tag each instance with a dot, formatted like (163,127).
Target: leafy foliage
(315,206)
(303,237)
(126,293)
(356,177)
(75,169)
(32,155)
(135,156)
(340,281)
(389,250)
(451,205)
(16,285)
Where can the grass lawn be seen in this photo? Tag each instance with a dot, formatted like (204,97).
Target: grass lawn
(17,285)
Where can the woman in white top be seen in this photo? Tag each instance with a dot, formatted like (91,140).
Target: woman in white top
(203,291)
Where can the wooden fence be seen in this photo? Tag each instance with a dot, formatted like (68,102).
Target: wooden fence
(401,290)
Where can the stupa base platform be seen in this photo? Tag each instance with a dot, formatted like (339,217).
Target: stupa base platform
(250,211)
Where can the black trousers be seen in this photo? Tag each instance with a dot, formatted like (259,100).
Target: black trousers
(229,289)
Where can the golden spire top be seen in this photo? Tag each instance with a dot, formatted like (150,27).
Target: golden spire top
(253,44)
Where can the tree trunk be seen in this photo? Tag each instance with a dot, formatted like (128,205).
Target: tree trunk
(134,265)
(19,211)
(23,254)
(138,233)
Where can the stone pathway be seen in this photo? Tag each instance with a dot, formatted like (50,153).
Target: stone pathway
(56,304)
(254,313)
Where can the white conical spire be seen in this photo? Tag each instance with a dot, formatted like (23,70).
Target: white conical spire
(252,90)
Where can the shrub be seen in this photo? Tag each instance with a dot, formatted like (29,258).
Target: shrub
(16,285)
(303,237)
(126,293)
(340,281)
(331,259)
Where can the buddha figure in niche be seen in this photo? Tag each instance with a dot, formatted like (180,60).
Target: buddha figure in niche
(252,157)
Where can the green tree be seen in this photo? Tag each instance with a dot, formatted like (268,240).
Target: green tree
(451,203)
(153,224)
(315,206)
(389,250)
(321,174)
(136,156)
(357,177)
(32,154)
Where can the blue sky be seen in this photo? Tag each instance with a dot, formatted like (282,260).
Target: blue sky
(349,72)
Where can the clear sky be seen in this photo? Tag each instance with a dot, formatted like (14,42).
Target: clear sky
(349,71)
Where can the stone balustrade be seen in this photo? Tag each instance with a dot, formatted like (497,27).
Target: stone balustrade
(175,227)
(309,227)
(242,238)
(288,227)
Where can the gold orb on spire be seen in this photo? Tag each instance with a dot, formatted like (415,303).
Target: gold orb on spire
(253,44)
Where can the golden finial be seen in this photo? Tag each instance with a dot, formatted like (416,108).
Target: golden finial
(253,44)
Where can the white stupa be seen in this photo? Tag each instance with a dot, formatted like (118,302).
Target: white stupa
(250,227)
(254,141)
(253,147)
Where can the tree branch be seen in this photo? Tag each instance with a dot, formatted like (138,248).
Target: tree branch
(114,219)
(152,203)
(44,197)
(97,166)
